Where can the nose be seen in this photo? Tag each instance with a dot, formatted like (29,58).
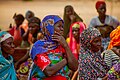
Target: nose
(61,28)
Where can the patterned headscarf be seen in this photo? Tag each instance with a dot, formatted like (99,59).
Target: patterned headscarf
(43,46)
(115,38)
(91,64)
(99,2)
(87,35)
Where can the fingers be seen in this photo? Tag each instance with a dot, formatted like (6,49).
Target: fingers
(55,37)
(57,33)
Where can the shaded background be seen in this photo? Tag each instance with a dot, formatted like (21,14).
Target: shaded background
(85,9)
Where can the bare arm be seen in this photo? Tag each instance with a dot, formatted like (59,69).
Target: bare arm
(51,70)
(72,61)
(25,36)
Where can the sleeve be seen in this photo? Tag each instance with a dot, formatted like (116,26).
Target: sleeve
(42,61)
(107,59)
(92,23)
(115,22)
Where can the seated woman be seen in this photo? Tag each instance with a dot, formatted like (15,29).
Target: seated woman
(109,55)
(104,23)
(7,71)
(52,56)
(114,73)
(91,64)
(70,16)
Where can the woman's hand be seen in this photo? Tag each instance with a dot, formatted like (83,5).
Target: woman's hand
(60,39)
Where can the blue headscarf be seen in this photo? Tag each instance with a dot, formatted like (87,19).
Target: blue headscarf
(7,71)
(43,46)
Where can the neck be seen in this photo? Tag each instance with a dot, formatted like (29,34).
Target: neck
(102,18)
(5,55)
(77,40)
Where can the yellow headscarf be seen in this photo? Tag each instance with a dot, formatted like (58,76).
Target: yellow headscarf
(115,38)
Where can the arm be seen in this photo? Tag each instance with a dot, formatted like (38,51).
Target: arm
(25,36)
(42,61)
(70,57)
(51,70)
(23,59)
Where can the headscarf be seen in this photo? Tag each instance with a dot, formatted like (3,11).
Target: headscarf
(4,35)
(72,42)
(91,65)
(87,35)
(67,22)
(43,46)
(115,38)
(7,71)
(99,2)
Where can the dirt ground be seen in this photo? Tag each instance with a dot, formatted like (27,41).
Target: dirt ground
(85,9)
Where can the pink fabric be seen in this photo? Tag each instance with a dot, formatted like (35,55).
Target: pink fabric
(73,43)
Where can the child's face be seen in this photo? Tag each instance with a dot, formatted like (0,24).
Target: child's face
(33,28)
(17,21)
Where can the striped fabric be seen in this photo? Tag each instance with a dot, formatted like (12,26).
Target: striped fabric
(110,57)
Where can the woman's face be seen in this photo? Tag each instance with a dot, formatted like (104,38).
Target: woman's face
(102,9)
(75,32)
(8,46)
(58,27)
(69,11)
(96,44)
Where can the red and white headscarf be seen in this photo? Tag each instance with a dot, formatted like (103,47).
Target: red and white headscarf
(4,35)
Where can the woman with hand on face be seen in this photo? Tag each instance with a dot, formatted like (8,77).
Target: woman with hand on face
(103,22)
(52,56)
(70,16)
(91,64)
(7,71)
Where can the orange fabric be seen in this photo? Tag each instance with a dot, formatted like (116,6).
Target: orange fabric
(115,38)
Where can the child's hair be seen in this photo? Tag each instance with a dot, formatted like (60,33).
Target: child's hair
(19,17)
(35,20)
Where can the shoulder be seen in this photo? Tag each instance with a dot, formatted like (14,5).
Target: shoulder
(111,17)
(94,18)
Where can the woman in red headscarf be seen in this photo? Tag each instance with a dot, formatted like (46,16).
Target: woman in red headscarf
(103,22)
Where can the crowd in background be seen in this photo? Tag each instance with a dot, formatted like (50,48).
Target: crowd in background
(61,49)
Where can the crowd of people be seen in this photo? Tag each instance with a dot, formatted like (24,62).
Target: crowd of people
(62,49)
